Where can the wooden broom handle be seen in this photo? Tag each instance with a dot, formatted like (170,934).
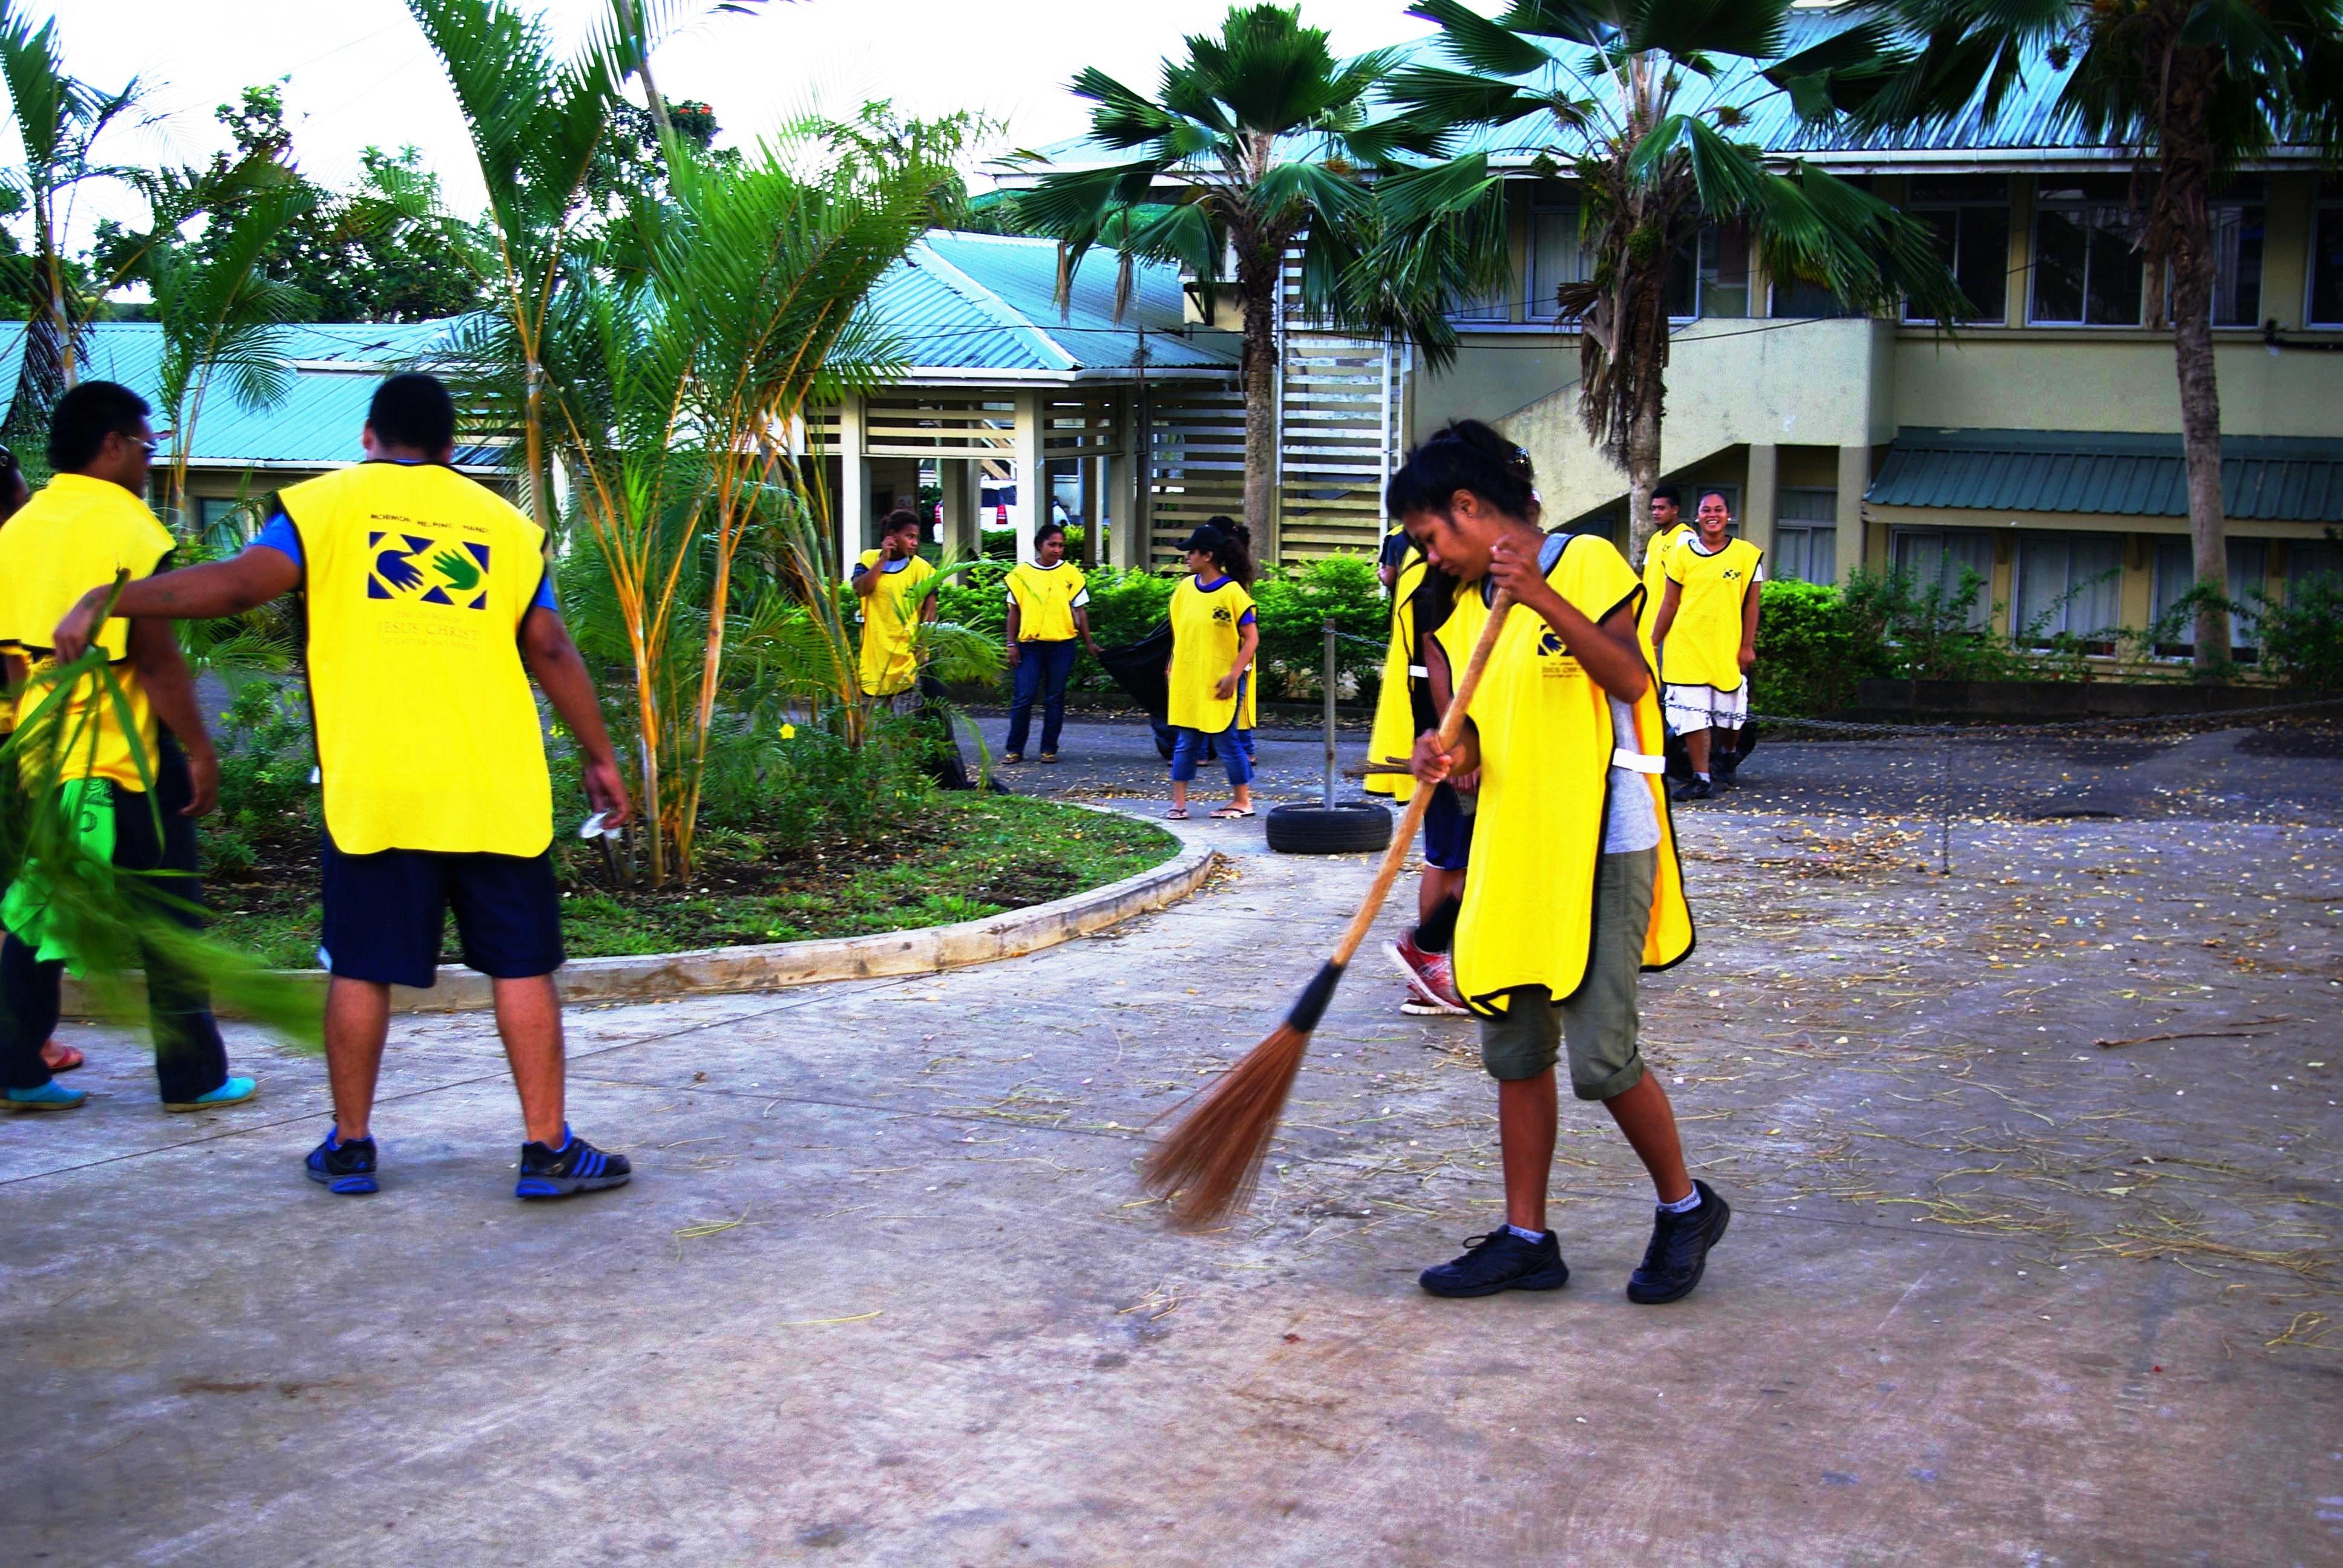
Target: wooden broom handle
(1451,727)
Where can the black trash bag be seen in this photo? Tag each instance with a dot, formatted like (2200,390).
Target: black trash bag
(1139,669)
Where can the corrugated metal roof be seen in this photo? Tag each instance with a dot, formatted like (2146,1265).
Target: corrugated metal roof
(2264,479)
(962,304)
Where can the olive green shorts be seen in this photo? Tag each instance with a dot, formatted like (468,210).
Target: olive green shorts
(1599,1025)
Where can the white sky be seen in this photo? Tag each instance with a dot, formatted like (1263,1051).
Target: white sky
(361,74)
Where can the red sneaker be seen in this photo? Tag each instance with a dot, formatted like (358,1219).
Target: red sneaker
(1429,976)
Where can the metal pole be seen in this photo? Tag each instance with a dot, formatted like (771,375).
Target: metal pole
(1944,796)
(1326,796)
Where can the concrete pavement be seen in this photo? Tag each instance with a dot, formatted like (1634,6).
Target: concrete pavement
(885,1290)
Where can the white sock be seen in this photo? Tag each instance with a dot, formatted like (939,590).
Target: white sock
(1702,777)
(1684,1205)
(1526,1235)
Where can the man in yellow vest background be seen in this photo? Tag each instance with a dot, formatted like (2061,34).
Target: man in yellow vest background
(891,582)
(429,609)
(89,522)
(1668,530)
(1707,633)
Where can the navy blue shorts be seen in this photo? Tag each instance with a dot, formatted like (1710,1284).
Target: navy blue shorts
(1447,830)
(384,914)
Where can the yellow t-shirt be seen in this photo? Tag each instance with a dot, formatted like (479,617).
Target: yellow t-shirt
(1705,641)
(416,581)
(1546,744)
(1206,632)
(1046,598)
(891,624)
(73,537)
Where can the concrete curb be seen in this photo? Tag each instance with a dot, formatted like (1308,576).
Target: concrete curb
(714,970)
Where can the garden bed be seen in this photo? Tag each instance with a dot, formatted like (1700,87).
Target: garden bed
(964,858)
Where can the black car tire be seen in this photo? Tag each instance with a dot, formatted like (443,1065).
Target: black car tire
(1352,828)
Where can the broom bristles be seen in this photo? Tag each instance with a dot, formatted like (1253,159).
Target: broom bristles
(1209,1163)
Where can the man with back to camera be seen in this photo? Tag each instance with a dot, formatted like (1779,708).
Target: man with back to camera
(1707,631)
(89,522)
(429,606)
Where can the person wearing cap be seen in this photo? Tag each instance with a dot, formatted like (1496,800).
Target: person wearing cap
(1214,638)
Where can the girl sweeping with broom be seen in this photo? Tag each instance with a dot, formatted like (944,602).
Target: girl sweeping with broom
(1573,885)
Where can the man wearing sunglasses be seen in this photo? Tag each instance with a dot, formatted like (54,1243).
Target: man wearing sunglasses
(98,755)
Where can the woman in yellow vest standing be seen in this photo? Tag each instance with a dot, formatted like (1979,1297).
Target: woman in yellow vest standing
(1707,629)
(1421,600)
(1214,637)
(1573,885)
(429,611)
(1048,610)
(891,584)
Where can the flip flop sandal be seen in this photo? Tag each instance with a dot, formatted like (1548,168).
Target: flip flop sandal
(1177,814)
(68,1058)
(1230,813)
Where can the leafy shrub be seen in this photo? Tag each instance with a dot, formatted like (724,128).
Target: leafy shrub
(1811,650)
(2302,639)
(1926,631)
(268,810)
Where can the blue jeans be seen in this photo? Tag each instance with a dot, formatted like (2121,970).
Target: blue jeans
(1042,669)
(1235,748)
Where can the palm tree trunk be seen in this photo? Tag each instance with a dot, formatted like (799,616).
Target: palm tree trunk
(2185,226)
(1643,474)
(1257,287)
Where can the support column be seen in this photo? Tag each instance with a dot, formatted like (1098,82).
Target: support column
(1854,479)
(957,476)
(1761,498)
(853,486)
(1033,479)
(1097,497)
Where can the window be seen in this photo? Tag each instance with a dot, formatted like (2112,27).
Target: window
(1556,257)
(1969,215)
(1940,558)
(1805,536)
(2070,583)
(2087,269)
(2308,558)
(2176,573)
(2327,255)
(1802,298)
(2238,216)
(1711,277)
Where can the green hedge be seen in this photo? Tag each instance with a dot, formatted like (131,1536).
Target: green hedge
(1291,605)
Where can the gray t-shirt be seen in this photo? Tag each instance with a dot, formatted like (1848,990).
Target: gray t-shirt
(1633,824)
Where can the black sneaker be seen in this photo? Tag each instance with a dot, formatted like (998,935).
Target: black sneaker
(1500,1261)
(1678,1254)
(1698,790)
(346,1168)
(1728,779)
(575,1167)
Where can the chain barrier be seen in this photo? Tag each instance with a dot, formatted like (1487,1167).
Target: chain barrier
(2005,728)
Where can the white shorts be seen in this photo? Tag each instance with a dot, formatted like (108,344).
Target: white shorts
(1691,708)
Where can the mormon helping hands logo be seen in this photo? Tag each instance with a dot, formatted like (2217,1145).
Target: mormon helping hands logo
(429,570)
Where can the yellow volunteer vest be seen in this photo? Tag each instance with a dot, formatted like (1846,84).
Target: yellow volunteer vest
(1657,551)
(1045,600)
(1204,641)
(1704,643)
(891,624)
(75,536)
(416,581)
(1394,732)
(1546,742)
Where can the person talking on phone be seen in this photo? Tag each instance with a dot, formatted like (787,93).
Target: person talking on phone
(429,609)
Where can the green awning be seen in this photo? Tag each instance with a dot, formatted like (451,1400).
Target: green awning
(2264,479)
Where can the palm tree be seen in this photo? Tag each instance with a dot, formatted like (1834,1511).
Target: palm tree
(742,307)
(1647,94)
(1258,141)
(536,122)
(2201,84)
(59,120)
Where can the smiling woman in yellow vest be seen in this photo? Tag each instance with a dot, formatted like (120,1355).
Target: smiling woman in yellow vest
(891,584)
(1214,637)
(429,611)
(1707,629)
(1048,607)
(87,524)
(1573,885)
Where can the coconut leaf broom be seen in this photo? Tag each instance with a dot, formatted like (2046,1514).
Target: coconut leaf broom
(1208,1164)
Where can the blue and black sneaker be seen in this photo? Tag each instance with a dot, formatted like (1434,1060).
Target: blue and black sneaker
(1500,1261)
(575,1167)
(345,1168)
